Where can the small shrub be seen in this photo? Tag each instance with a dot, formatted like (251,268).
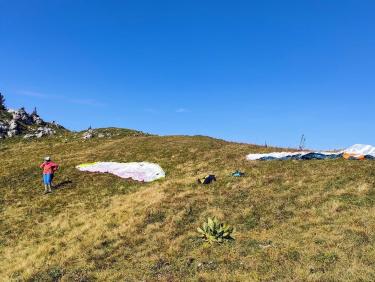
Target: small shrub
(79,275)
(154,217)
(293,255)
(213,231)
(55,273)
(325,261)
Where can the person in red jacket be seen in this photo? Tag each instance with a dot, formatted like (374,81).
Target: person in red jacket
(49,169)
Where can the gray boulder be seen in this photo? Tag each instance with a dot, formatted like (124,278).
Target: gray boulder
(88,134)
(22,116)
(3,130)
(28,136)
(3,127)
(37,120)
(12,133)
(44,131)
(13,128)
(40,132)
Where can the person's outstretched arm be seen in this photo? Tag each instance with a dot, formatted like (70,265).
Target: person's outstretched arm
(55,167)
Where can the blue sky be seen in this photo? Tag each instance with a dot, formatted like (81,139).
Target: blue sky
(246,71)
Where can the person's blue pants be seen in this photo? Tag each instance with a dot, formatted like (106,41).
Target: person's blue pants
(47,179)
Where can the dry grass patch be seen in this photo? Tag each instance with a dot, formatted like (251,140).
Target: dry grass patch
(294,220)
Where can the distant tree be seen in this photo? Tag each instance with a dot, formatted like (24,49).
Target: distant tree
(35,112)
(2,102)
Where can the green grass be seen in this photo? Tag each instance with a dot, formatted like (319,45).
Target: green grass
(294,220)
(4,115)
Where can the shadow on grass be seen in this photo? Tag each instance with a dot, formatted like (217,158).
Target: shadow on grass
(62,184)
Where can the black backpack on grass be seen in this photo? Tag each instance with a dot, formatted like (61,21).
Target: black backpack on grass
(207,180)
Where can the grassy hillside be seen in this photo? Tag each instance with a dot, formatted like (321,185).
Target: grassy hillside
(294,220)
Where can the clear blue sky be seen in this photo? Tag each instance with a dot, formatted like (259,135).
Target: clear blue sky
(247,71)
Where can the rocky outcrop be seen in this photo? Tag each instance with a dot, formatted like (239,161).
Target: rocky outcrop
(8,128)
(92,133)
(40,132)
(36,119)
(22,116)
(20,122)
(88,134)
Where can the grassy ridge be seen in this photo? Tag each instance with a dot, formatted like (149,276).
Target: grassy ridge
(295,220)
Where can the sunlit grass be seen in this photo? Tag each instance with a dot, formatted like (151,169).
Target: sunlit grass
(294,220)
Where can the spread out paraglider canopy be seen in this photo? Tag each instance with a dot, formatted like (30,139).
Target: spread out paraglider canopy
(143,171)
(355,152)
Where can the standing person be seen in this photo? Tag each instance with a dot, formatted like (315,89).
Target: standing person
(49,168)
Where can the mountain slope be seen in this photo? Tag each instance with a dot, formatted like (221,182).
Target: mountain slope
(295,220)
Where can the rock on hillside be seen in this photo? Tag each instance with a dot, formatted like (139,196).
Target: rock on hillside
(110,132)
(21,123)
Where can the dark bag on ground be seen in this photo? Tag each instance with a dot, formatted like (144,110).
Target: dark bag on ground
(207,180)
